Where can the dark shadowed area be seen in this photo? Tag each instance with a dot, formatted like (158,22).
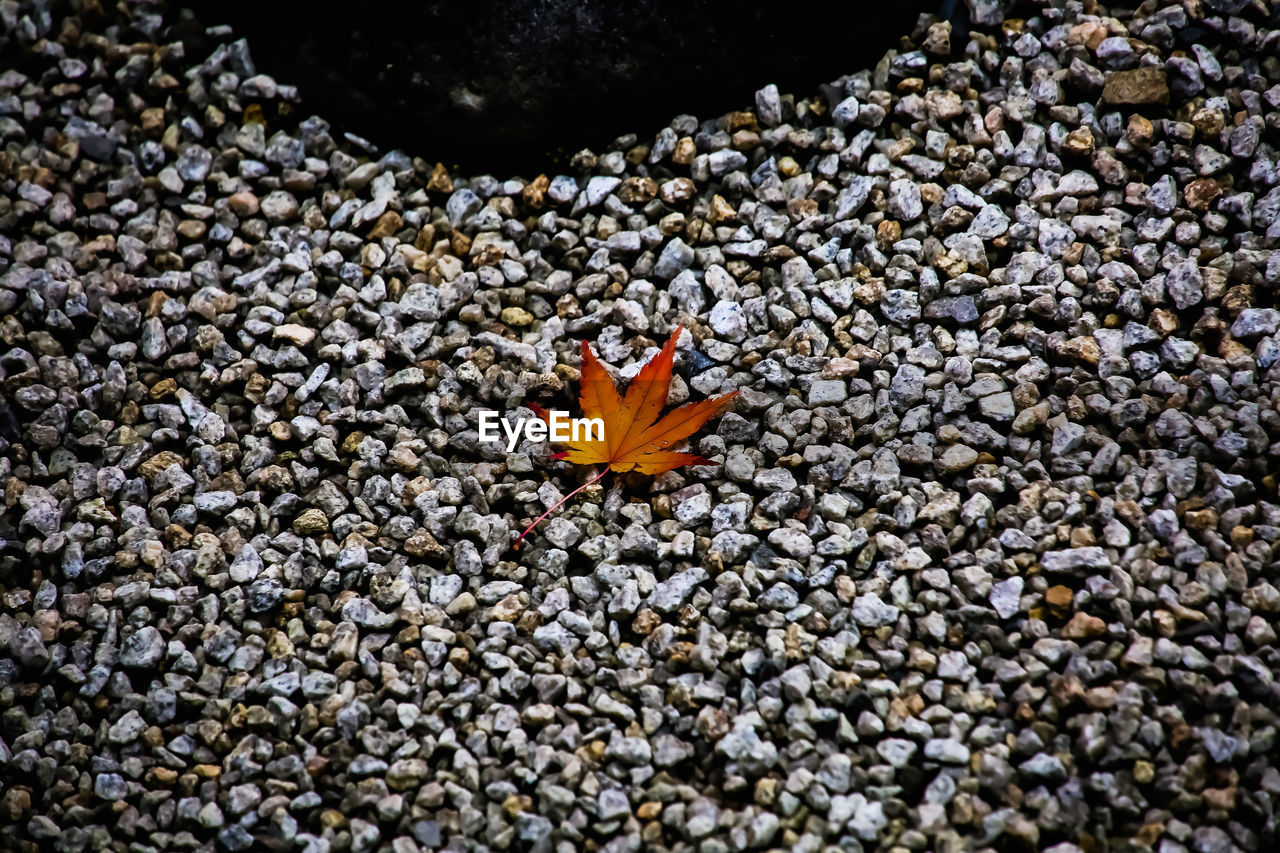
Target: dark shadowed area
(499,86)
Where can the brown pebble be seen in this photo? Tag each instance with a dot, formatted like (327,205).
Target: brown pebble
(1079,141)
(637,190)
(440,181)
(1201,193)
(152,120)
(243,203)
(1058,596)
(387,224)
(164,775)
(535,192)
(1138,86)
(1082,626)
(1140,131)
(685,151)
(646,620)
(192,229)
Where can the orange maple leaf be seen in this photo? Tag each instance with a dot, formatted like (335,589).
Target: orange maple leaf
(637,436)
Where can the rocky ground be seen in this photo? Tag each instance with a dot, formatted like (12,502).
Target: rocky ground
(986,560)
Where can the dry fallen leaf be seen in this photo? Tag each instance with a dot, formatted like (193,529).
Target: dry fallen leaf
(637,436)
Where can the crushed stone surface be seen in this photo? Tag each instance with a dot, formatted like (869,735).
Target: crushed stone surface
(986,559)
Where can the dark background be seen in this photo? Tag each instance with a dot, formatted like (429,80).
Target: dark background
(505,86)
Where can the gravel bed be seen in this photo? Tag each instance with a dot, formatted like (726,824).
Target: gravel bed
(986,560)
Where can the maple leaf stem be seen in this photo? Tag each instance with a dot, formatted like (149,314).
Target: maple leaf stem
(597,478)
